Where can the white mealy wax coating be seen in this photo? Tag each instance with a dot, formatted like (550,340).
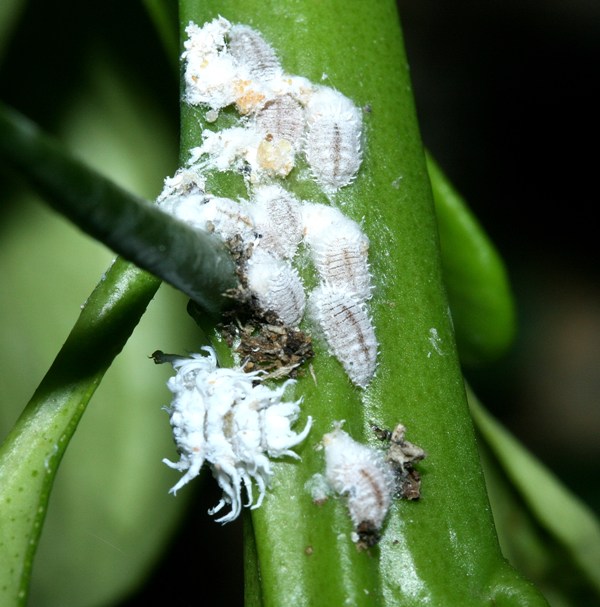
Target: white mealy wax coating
(359,472)
(280,116)
(228,419)
(348,331)
(211,72)
(277,287)
(247,46)
(277,217)
(338,248)
(333,139)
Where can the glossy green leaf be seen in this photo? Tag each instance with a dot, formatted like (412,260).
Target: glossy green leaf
(479,293)
(564,518)
(30,455)
(442,550)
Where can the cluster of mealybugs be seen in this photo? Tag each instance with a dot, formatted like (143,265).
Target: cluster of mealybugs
(229,418)
(281,116)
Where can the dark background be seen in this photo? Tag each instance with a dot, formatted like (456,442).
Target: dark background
(507,99)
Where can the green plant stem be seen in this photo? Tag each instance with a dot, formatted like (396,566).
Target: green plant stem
(31,453)
(442,550)
(193,261)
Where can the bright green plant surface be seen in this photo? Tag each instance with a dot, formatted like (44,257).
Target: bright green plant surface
(442,550)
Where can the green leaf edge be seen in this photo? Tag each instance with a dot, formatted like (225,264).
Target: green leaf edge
(31,453)
(569,520)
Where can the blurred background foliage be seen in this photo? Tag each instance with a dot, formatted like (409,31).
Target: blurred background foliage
(504,96)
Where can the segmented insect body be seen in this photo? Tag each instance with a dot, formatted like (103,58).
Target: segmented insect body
(338,248)
(277,218)
(250,49)
(348,331)
(333,139)
(227,218)
(221,215)
(277,287)
(360,473)
(282,118)
(231,421)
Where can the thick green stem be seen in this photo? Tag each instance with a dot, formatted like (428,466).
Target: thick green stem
(442,550)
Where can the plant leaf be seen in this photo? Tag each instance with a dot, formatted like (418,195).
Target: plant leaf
(193,261)
(30,455)
(479,293)
(564,517)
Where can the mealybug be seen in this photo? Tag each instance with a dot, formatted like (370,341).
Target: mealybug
(276,286)
(277,220)
(360,473)
(339,249)
(348,331)
(333,139)
(234,423)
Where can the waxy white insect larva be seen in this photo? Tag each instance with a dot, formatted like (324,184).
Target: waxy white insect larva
(342,264)
(210,70)
(224,216)
(333,139)
(250,49)
(234,423)
(227,218)
(360,473)
(277,287)
(348,331)
(277,218)
(338,248)
(282,118)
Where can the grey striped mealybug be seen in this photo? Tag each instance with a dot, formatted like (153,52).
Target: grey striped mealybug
(348,331)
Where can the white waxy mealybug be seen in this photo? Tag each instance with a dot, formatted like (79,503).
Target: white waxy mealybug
(227,218)
(277,220)
(277,287)
(210,70)
(333,139)
(234,423)
(183,183)
(338,248)
(282,118)
(348,331)
(221,215)
(360,473)
(249,48)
